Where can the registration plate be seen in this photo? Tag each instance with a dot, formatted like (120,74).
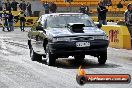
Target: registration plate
(82,44)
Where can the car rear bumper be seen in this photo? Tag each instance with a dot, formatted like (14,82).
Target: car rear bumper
(70,48)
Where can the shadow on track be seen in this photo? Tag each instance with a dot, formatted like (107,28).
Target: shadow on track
(69,63)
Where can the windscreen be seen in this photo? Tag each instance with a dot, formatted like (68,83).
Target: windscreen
(59,21)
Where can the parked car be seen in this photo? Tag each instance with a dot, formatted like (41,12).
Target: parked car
(60,35)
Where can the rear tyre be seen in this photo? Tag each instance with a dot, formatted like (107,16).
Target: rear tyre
(34,56)
(102,58)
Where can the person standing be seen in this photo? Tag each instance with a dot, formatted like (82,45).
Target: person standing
(109,3)
(10,21)
(46,7)
(22,20)
(87,10)
(14,5)
(5,20)
(1,6)
(23,6)
(8,5)
(53,7)
(102,13)
(119,5)
(128,19)
(29,11)
(82,9)
(1,20)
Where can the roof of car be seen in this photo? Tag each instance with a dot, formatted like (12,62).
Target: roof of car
(54,14)
(61,14)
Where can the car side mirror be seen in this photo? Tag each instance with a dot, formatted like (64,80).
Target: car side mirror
(39,28)
(99,25)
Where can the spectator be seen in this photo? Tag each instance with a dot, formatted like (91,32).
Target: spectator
(1,6)
(53,7)
(128,19)
(109,3)
(5,20)
(82,9)
(8,5)
(102,14)
(104,2)
(1,21)
(22,20)
(23,6)
(119,5)
(10,21)
(46,7)
(29,11)
(87,10)
(14,5)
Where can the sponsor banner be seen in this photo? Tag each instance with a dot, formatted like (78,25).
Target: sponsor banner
(83,78)
(109,19)
(29,21)
(15,13)
(119,36)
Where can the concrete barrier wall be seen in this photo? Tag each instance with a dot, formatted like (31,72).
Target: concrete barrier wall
(15,13)
(118,36)
(109,19)
(29,22)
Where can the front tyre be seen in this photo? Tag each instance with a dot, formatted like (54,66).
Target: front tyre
(102,58)
(34,56)
(51,58)
(29,44)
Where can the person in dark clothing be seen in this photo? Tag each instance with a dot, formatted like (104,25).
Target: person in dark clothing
(1,6)
(5,20)
(10,21)
(46,7)
(22,20)
(23,6)
(87,10)
(102,14)
(128,19)
(109,3)
(29,11)
(82,9)
(119,5)
(53,7)
(14,5)
(8,5)
(104,2)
